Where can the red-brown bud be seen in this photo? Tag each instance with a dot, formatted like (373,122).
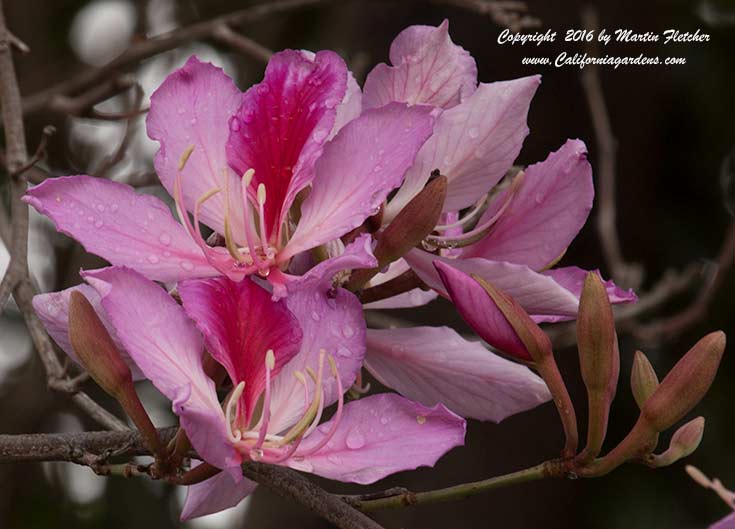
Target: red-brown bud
(408,229)
(683,443)
(686,384)
(599,359)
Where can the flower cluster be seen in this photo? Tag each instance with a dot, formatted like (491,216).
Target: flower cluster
(316,190)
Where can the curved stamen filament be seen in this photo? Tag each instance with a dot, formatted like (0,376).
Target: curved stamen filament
(270,363)
(318,383)
(234,435)
(481,230)
(468,217)
(337,415)
(250,237)
(300,427)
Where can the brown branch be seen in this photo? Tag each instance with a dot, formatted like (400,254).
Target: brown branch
(673,326)
(625,274)
(17,278)
(95,449)
(504,13)
(293,486)
(241,43)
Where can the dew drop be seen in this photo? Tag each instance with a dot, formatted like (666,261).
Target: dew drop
(263,89)
(167,254)
(473,132)
(539,198)
(98,224)
(348,331)
(384,420)
(447,160)
(90,219)
(315,315)
(334,459)
(355,440)
(331,102)
(153,259)
(58,198)
(193,121)
(114,208)
(343,351)
(256,454)
(182,110)
(234,124)
(164,239)
(397,349)
(187,265)
(420,419)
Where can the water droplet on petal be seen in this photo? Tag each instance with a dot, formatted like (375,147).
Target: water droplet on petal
(256,454)
(319,135)
(114,208)
(100,207)
(315,315)
(348,331)
(193,121)
(153,259)
(355,440)
(384,420)
(473,132)
(164,239)
(187,265)
(182,110)
(343,351)
(234,124)
(331,102)
(539,198)
(98,224)
(420,419)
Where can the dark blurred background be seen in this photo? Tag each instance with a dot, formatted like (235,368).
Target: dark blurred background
(674,127)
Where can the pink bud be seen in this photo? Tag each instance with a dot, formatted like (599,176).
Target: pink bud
(683,443)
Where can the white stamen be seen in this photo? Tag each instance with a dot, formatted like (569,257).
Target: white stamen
(233,402)
(185,157)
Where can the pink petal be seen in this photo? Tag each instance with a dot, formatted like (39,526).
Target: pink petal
(331,319)
(168,349)
(364,162)
(282,124)
(537,293)
(215,494)
(240,324)
(412,298)
(53,309)
(350,107)
(474,144)
(113,221)
(428,68)
(380,435)
(572,278)
(480,312)
(193,107)
(545,215)
(726,523)
(435,364)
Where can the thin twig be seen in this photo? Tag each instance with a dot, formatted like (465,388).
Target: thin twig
(241,43)
(624,273)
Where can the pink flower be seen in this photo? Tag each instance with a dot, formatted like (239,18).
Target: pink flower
(296,356)
(237,162)
(524,229)
(527,226)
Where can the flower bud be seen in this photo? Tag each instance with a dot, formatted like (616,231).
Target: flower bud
(100,357)
(539,348)
(408,229)
(599,359)
(643,379)
(95,349)
(686,384)
(683,443)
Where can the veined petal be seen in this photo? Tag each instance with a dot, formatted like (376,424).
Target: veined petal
(240,323)
(482,314)
(168,349)
(435,364)
(428,68)
(332,320)
(53,310)
(413,298)
(364,162)
(215,494)
(473,144)
(545,214)
(113,221)
(572,278)
(726,523)
(283,123)
(380,435)
(538,294)
(193,107)
(350,107)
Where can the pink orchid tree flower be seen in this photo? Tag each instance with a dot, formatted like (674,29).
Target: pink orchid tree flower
(510,239)
(238,162)
(526,226)
(288,360)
